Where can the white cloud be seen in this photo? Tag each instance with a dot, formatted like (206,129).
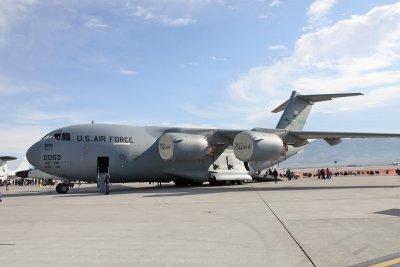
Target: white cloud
(178,21)
(339,58)
(144,13)
(149,16)
(275,3)
(277,47)
(320,8)
(38,116)
(214,58)
(317,13)
(13,12)
(200,112)
(9,88)
(95,23)
(15,138)
(189,64)
(127,72)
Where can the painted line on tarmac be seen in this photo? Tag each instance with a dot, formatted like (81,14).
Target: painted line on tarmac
(287,230)
(387,263)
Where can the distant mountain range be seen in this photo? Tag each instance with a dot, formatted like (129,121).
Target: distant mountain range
(349,152)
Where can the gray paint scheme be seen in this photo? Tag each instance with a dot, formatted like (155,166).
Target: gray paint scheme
(133,152)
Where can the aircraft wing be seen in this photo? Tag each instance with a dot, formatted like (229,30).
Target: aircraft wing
(224,138)
(334,138)
(228,134)
(323,135)
(216,136)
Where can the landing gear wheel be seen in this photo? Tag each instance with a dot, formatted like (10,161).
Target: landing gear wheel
(196,183)
(62,188)
(212,181)
(181,184)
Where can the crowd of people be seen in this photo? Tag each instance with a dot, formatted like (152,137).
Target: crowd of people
(327,173)
(19,182)
(324,174)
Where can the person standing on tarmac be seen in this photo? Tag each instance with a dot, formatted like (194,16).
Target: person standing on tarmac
(322,174)
(289,174)
(328,173)
(107,184)
(275,174)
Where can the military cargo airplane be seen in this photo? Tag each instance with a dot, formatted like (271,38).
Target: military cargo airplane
(6,173)
(185,156)
(34,173)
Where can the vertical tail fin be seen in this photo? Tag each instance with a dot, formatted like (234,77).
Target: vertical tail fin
(298,107)
(24,165)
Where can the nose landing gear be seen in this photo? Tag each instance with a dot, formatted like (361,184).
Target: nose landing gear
(62,188)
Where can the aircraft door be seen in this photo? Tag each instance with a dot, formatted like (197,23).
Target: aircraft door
(103,164)
(102,171)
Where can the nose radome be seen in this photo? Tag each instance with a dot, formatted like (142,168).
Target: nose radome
(33,154)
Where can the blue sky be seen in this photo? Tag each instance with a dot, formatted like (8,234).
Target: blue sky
(202,63)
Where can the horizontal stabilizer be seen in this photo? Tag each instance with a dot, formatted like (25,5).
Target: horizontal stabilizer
(314,99)
(325,97)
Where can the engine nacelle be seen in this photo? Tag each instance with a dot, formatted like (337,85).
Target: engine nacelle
(256,146)
(180,146)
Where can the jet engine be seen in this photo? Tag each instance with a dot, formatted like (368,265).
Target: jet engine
(256,146)
(180,146)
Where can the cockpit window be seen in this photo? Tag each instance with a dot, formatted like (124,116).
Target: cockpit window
(56,136)
(47,136)
(65,137)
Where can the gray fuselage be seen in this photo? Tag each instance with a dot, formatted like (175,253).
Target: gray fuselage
(128,154)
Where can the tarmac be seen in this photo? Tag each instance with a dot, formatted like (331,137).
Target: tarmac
(346,221)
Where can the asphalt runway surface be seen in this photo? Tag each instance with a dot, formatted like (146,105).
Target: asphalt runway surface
(346,221)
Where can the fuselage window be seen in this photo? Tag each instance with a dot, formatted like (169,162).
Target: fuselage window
(65,137)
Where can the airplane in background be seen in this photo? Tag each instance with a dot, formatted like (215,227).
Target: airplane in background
(34,173)
(5,173)
(185,156)
(396,163)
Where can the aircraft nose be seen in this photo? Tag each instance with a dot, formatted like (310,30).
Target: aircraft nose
(33,154)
